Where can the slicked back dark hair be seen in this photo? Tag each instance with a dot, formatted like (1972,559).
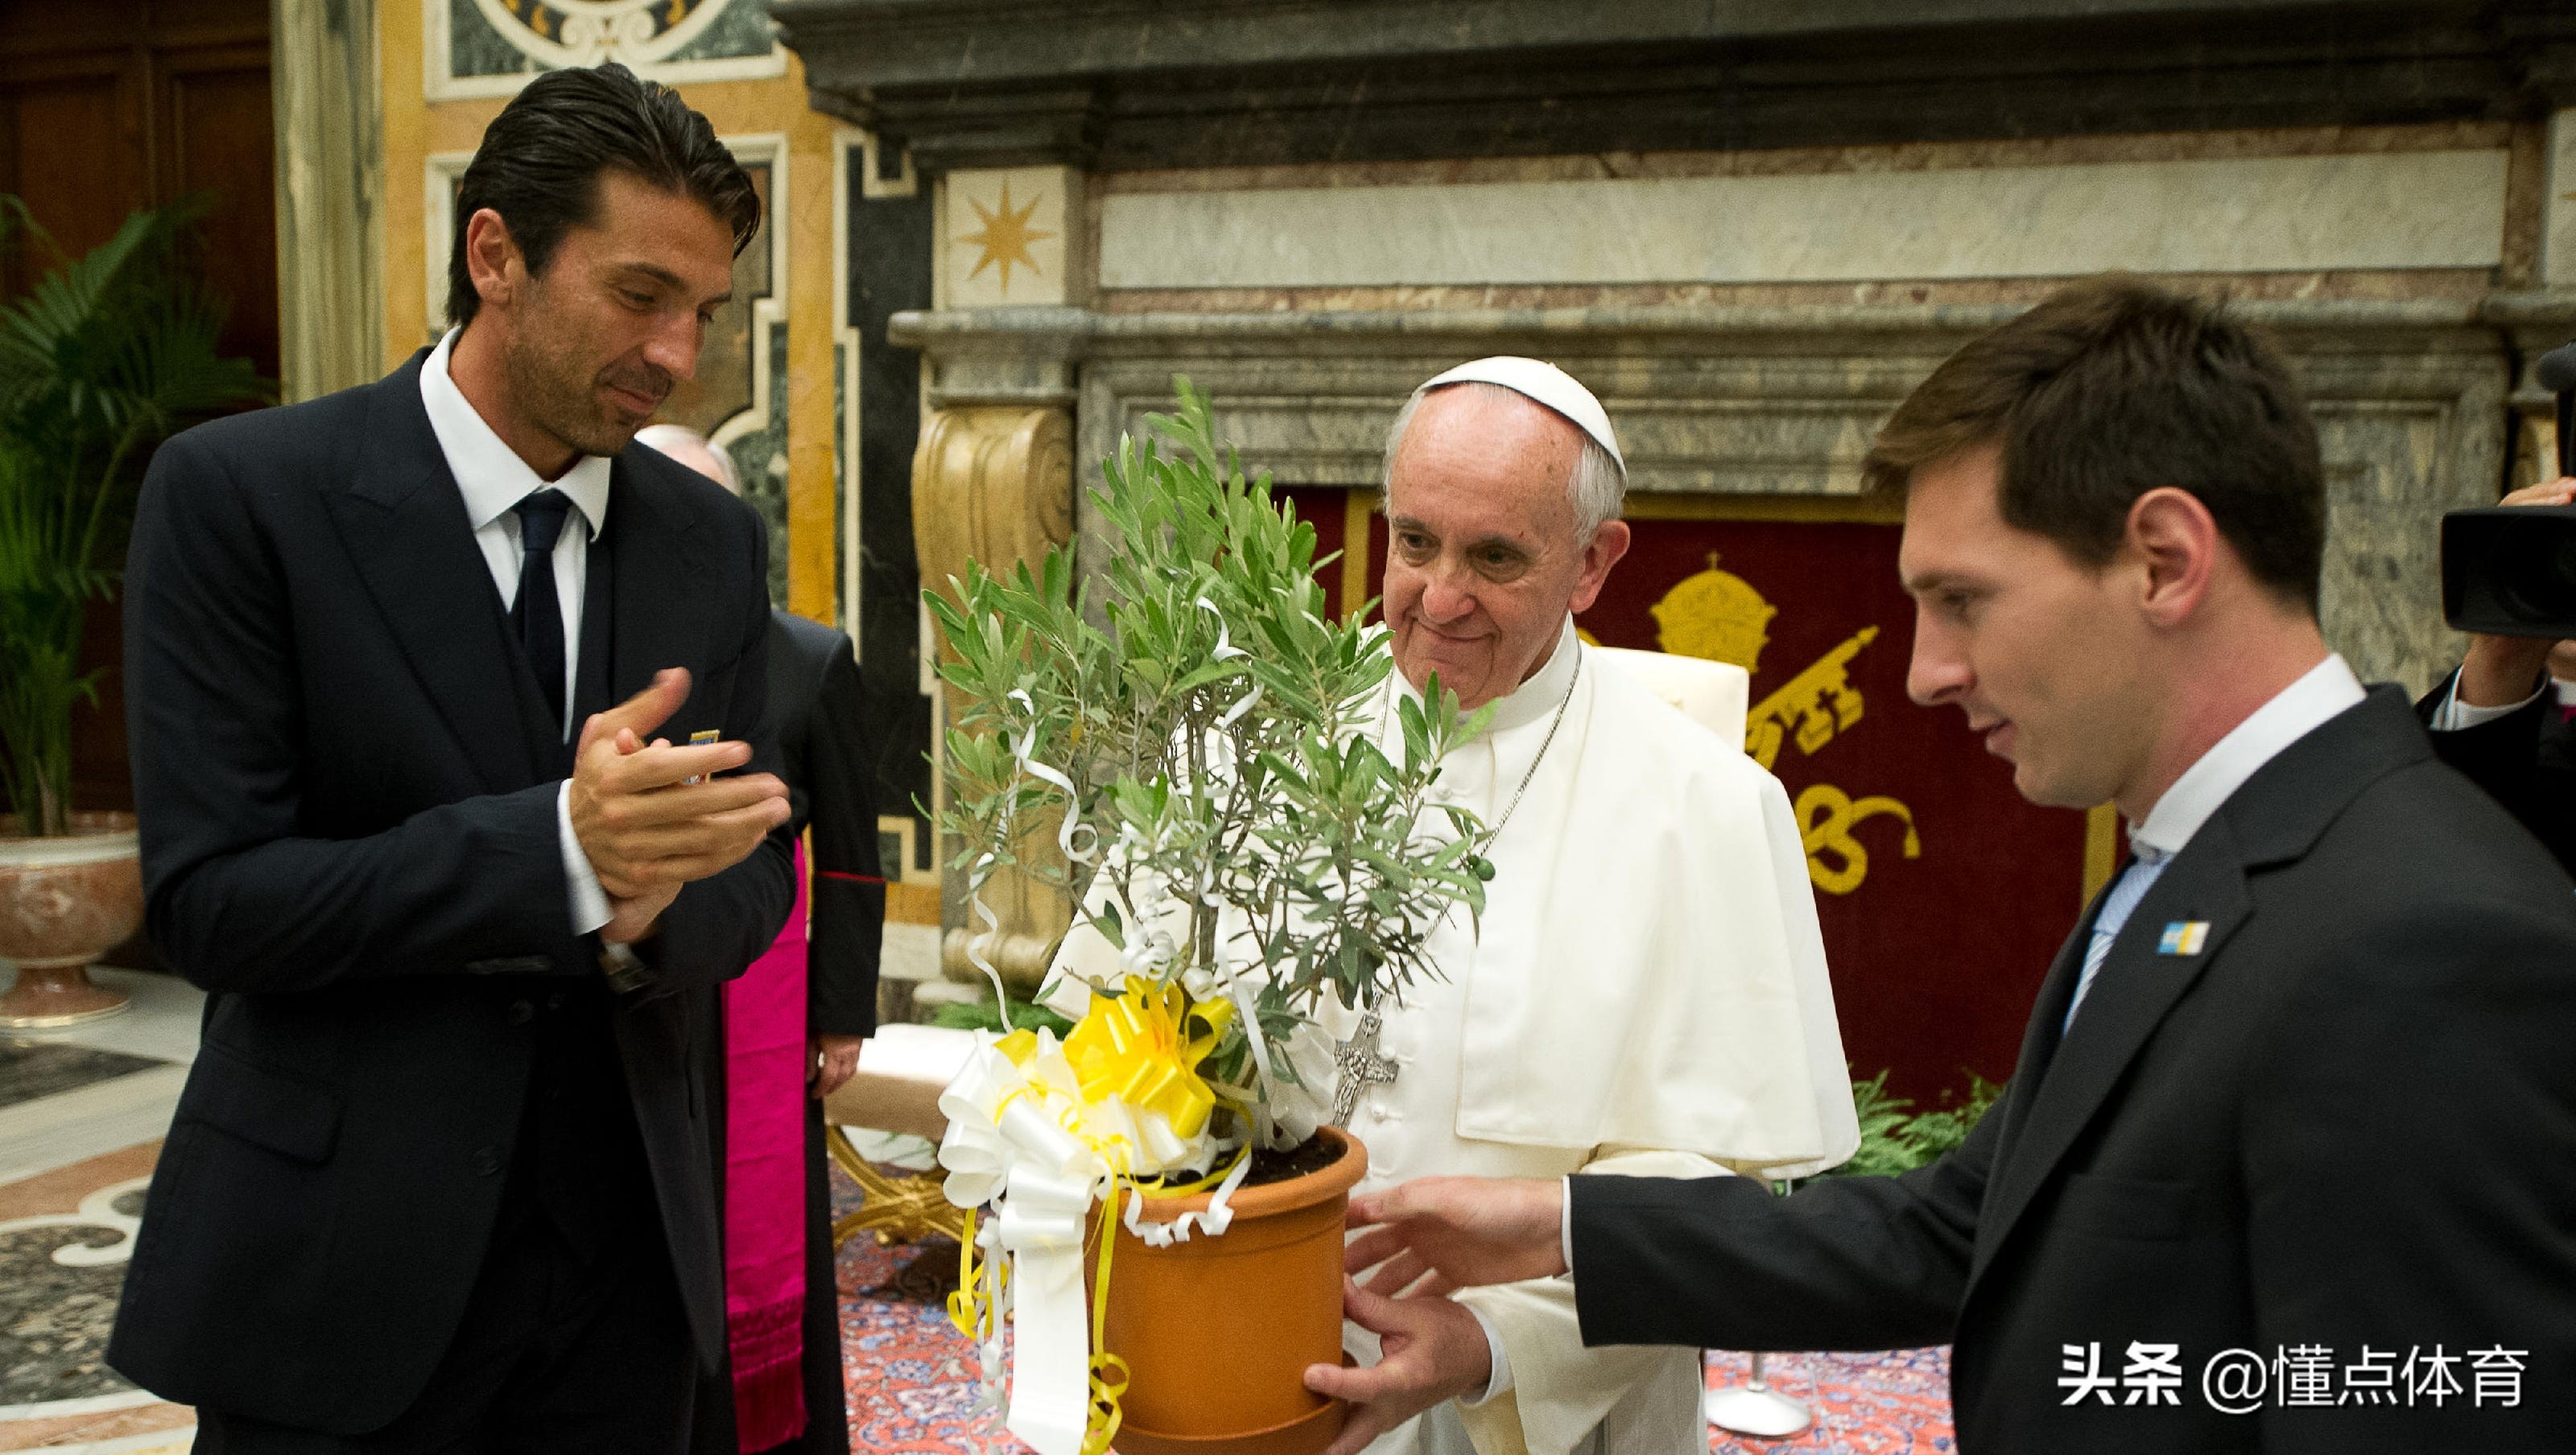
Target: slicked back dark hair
(2111,388)
(540,163)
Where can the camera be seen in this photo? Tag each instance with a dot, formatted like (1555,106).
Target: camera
(2511,571)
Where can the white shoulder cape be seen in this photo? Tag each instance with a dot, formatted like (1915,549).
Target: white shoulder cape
(1678,997)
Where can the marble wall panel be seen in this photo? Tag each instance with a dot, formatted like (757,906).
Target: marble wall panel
(2405,403)
(2558,208)
(1912,156)
(2464,286)
(2439,209)
(1009,237)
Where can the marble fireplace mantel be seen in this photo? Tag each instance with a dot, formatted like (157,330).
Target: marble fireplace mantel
(1773,402)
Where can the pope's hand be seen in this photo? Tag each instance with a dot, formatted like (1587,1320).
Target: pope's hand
(1434,1351)
(652,817)
(1460,1231)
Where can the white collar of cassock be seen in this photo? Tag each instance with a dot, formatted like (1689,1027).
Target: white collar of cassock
(1539,695)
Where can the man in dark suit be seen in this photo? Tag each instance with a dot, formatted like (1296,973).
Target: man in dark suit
(814,701)
(2503,720)
(2289,1160)
(404,666)
(816,710)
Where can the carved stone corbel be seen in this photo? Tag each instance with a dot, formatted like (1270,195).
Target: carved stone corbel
(995,485)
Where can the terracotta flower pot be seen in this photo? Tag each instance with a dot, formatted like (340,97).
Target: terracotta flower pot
(65,901)
(1217,1332)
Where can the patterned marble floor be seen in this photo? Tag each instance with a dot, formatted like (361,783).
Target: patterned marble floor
(64,1238)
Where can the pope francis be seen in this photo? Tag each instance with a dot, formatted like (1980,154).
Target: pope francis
(1646,991)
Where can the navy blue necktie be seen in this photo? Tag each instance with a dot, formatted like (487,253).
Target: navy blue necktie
(537,613)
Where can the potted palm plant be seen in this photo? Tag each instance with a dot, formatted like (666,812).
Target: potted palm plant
(103,358)
(1235,803)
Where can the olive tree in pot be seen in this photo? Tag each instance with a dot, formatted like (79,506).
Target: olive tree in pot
(104,357)
(1241,812)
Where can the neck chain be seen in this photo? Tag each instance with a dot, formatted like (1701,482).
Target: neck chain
(1544,744)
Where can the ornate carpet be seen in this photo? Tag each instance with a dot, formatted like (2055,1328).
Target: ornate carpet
(910,1374)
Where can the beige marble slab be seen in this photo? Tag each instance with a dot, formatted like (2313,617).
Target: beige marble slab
(2463,286)
(2558,208)
(1006,235)
(2439,209)
(1911,156)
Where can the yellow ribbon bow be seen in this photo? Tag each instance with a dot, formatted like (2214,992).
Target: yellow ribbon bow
(1138,1047)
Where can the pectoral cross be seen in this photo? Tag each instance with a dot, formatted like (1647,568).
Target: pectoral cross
(1360,1065)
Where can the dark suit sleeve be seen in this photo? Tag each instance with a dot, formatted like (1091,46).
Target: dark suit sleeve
(2410,1135)
(847,916)
(1720,1263)
(236,895)
(2503,758)
(720,924)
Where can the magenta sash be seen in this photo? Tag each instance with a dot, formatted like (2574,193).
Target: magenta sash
(764,1186)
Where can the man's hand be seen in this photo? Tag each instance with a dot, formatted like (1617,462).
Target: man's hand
(1434,1351)
(836,1060)
(1461,1231)
(645,827)
(2501,671)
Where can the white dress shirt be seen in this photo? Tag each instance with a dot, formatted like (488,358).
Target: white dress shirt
(2325,691)
(2328,690)
(2454,715)
(493,480)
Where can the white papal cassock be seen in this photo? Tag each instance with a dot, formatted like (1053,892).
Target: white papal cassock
(1645,995)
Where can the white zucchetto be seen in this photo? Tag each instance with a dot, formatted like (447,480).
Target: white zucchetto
(1548,385)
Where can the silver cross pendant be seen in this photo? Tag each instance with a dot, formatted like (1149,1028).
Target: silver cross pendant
(1360,1065)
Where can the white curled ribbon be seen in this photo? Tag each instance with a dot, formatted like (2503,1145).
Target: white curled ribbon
(989,1387)
(1214,1221)
(1240,993)
(1227,651)
(976,942)
(1024,749)
(1241,706)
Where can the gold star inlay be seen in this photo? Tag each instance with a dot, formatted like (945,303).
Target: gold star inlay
(1005,238)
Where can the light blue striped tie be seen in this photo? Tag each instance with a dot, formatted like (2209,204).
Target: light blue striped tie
(2133,885)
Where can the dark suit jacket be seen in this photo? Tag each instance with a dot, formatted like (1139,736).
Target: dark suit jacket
(814,705)
(2349,1120)
(347,785)
(2525,760)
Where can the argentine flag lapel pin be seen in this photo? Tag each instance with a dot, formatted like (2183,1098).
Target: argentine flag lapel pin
(2184,937)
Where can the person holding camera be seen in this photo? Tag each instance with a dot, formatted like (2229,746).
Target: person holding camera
(2507,718)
